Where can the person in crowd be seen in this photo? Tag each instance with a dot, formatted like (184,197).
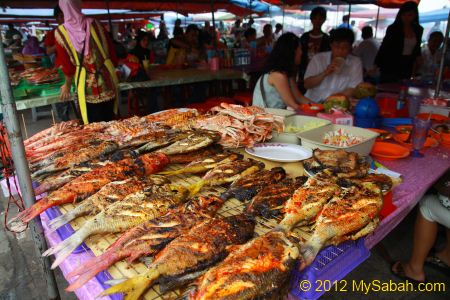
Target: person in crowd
(313,41)
(185,49)
(266,42)
(163,35)
(207,34)
(83,41)
(237,43)
(276,88)
(249,40)
(237,28)
(141,50)
(436,27)
(12,36)
(431,55)
(278,31)
(32,47)
(434,210)
(346,22)
(400,48)
(177,27)
(367,50)
(335,71)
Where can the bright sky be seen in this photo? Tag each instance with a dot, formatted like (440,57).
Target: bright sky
(427,5)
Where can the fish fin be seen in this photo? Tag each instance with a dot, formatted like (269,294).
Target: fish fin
(134,287)
(62,220)
(66,247)
(92,267)
(310,249)
(171,173)
(196,187)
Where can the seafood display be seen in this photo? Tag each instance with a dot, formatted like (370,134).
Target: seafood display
(89,183)
(350,215)
(269,202)
(258,268)
(108,194)
(149,237)
(161,189)
(120,216)
(205,244)
(240,126)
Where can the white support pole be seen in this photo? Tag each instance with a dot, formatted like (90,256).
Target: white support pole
(437,91)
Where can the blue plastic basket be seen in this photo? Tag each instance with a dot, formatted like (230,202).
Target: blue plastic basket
(331,264)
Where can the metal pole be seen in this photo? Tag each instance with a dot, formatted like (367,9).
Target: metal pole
(349,13)
(109,17)
(437,91)
(376,24)
(23,173)
(214,27)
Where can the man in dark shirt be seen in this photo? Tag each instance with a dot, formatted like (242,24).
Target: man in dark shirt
(313,41)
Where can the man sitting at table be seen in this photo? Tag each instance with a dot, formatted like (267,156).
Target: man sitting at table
(335,71)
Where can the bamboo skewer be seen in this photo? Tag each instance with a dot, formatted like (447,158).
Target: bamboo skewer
(24,127)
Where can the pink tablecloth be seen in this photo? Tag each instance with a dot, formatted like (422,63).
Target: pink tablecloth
(419,174)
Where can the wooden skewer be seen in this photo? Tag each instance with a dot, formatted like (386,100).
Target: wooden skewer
(53,117)
(24,127)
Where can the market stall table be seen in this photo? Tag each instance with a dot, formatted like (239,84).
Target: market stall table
(160,78)
(418,174)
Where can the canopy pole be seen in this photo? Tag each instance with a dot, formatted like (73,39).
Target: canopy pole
(109,17)
(437,91)
(349,13)
(23,173)
(376,23)
(214,26)
(283,14)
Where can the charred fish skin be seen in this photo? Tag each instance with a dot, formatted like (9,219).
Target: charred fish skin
(247,187)
(202,246)
(260,267)
(270,201)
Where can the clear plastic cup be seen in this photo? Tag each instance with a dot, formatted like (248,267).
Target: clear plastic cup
(413,106)
(419,135)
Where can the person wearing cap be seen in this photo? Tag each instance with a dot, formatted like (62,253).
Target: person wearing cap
(434,209)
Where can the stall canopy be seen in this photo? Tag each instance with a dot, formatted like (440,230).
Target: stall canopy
(183,7)
(382,3)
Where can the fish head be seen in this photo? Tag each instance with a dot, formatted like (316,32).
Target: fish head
(278,173)
(206,204)
(152,162)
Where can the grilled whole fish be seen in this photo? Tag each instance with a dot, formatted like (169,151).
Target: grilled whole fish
(269,202)
(193,142)
(196,155)
(247,187)
(121,216)
(70,159)
(226,173)
(347,214)
(258,268)
(150,237)
(91,182)
(202,246)
(110,193)
(204,164)
(306,202)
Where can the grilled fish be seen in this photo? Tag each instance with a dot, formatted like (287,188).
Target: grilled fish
(121,216)
(196,155)
(70,159)
(150,237)
(201,247)
(247,187)
(90,183)
(269,202)
(204,164)
(306,202)
(110,193)
(226,173)
(256,269)
(193,142)
(347,215)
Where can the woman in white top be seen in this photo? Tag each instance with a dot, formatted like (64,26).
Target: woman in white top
(276,88)
(400,48)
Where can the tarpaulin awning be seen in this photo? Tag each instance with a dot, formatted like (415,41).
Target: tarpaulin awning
(184,7)
(382,3)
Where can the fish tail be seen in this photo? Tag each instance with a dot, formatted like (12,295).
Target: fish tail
(28,214)
(66,247)
(42,188)
(134,287)
(287,223)
(196,187)
(310,249)
(65,218)
(92,267)
(170,173)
